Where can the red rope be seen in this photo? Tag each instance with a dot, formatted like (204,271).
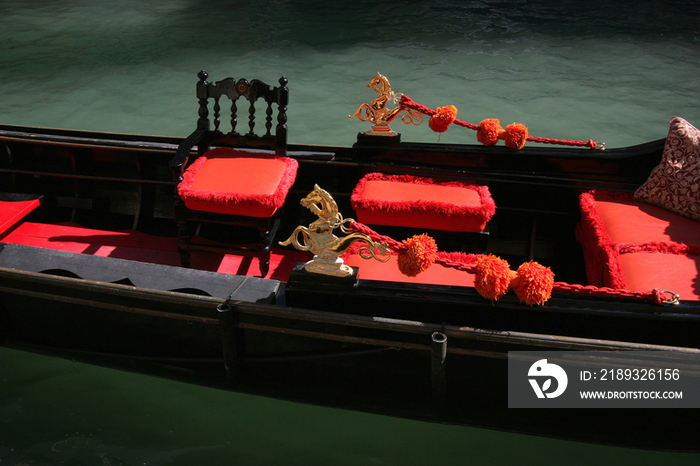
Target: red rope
(465,263)
(408,102)
(654,295)
(590,143)
(396,246)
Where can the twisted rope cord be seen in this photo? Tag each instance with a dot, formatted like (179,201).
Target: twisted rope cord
(654,295)
(465,263)
(396,246)
(408,102)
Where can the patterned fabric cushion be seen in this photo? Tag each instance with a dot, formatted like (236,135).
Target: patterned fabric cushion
(675,183)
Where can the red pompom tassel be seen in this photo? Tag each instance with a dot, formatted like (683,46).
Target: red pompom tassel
(419,256)
(533,283)
(489,131)
(443,118)
(492,277)
(516,136)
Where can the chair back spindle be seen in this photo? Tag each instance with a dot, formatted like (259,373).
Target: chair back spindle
(252,91)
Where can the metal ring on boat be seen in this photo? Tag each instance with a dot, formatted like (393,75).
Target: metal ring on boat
(674,300)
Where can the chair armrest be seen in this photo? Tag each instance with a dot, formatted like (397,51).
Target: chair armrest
(179,162)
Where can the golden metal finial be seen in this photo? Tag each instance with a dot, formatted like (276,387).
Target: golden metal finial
(376,112)
(319,238)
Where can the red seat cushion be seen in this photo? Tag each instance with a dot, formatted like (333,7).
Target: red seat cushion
(628,244)
(644,223)
(416,202)
(235,182)
(674,272)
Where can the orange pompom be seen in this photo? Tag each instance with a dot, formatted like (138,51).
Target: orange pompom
(492,277)
(533,283)
(489,131)
(442,120)
(420,255)
(516,136)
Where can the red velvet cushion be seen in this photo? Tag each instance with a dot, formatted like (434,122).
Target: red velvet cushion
(631,245)
(235,182)
(410,201)
(644,223)
(674,272)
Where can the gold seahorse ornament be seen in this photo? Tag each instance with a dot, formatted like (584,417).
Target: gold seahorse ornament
(377,113)
(319,239)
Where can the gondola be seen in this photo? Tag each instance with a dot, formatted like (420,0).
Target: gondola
(93,246)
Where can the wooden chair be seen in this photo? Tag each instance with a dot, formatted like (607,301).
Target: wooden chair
(227,182)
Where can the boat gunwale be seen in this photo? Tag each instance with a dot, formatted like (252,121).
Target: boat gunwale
(136,141)
(309,315)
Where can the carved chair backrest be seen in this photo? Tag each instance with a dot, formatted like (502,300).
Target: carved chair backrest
(252,91)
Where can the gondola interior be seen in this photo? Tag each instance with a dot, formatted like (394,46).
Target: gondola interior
(90,247)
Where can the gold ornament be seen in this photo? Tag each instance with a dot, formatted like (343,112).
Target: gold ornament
(320,240)
(379,115)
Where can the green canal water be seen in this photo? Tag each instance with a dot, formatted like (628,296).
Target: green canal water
(612,71)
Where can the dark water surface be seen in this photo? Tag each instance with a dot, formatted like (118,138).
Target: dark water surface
(613,71)
(55,411)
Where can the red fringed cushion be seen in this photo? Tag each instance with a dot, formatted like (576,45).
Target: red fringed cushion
(622,238)
(415,202)
(642,223)
(674,272)
(235,182)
